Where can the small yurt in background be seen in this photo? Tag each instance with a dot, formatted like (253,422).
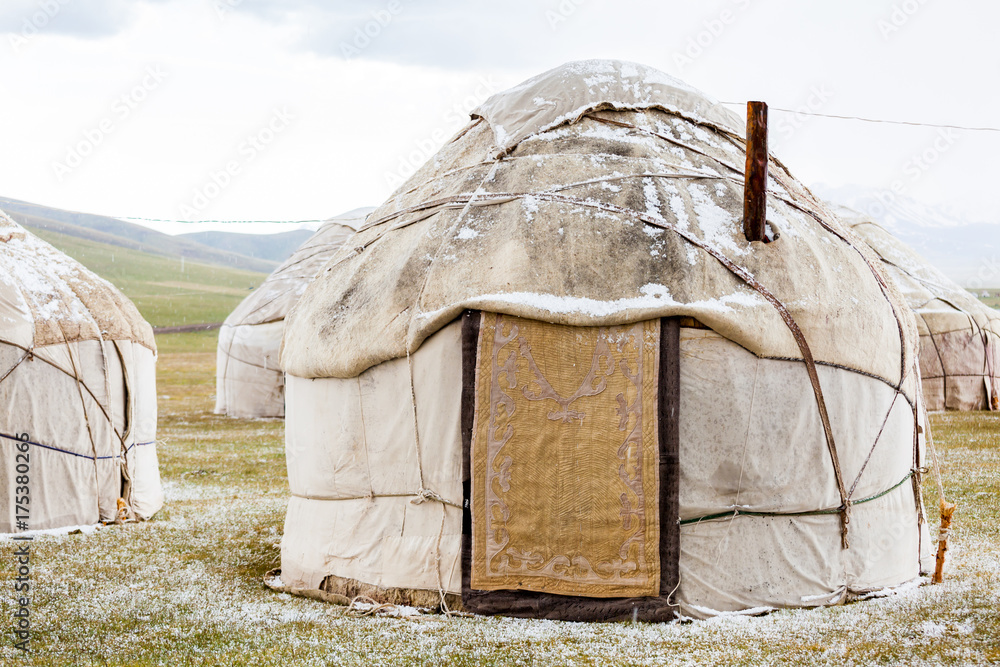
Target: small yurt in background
(77,392)
(551,377)
(249,381)
(959,335)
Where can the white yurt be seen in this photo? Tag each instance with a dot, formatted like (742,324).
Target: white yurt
(552,378)
(249,381)
(77,393)
(959,334)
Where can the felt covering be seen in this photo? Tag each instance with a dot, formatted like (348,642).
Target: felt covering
(78,385)
(249,381)
(621,216)
(959,335)
(614,200)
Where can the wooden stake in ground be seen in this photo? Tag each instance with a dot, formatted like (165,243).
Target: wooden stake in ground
(947,509)
(755,178)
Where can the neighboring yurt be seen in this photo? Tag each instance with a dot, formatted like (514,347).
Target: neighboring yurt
(248,378)
(552,378)
(959,334)
(77,393)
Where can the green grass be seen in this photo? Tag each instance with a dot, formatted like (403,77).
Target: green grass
(185,588)
(197,341)
(993,300)
(164,291)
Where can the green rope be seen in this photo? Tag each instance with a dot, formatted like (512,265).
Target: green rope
(737,512)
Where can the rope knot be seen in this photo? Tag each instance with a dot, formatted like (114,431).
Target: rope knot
(423,495)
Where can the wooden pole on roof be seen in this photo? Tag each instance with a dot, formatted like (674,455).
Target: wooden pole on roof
(755,181)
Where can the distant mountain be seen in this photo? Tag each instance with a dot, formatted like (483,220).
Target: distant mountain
(273,247)
(167,291)
(966,251)
(128,235)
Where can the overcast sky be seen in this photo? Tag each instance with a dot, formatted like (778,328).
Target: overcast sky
(302,109)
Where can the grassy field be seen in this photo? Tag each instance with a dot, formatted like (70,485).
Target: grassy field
(186,589)
(993,300)
(166,292)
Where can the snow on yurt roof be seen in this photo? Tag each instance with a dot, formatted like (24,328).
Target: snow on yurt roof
(274,298)
(564,94)
(926,289)
(47,298)
(600,193)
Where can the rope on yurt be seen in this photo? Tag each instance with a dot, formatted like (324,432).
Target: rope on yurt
(937,351)
(71,453)
(417,499)
(364,438)
(34,357)
(989,375)
(122,508)
(128,417)
(918,470)
(86,416)
(871,451)
(424,494)
(664,137)
(743,460)
(376,607)
(833,510)
(947,509)
(17,363)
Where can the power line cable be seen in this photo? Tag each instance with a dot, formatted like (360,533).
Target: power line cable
(201,222)
(966,128)
(877,120)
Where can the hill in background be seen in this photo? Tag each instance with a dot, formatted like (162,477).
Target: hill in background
(967,251)
(173,281)
(168,291)
(270,247)
(112,231)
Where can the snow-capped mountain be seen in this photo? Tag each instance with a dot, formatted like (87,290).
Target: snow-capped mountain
(967,251)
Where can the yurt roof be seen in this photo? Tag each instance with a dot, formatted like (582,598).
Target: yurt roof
(926,289)
(272,300)
(48,298)
(598,193)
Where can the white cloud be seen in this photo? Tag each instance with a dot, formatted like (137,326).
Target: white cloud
(358,117)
